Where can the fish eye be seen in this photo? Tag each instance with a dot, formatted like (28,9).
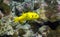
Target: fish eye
(35,15)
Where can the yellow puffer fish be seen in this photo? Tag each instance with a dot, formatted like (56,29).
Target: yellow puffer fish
(26,16)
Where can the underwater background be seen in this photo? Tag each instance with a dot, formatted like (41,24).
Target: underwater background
(29,18)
